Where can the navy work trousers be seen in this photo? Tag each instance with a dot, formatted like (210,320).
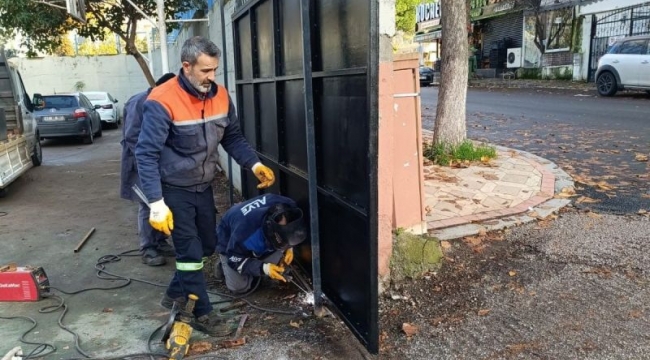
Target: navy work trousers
(194,238)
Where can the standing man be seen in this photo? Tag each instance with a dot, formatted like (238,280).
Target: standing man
(153,244)
(256,238)
(185,120)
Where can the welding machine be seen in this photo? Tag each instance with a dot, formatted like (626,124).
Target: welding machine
(18,283)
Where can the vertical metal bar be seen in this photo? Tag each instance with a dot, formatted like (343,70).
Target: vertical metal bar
(372,81)
(222,4)
(162,31)
(631,21)
(311,155)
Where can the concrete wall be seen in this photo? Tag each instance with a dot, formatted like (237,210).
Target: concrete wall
(212,30)
(120,75)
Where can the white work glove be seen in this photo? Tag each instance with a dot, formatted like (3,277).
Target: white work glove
(160,217)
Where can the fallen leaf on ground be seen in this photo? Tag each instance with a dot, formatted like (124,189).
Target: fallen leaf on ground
(512,273)
(107,310)
(594,215)
(641,157)
(445,244)
(200,347)
(409,329)
(567,192)
(482,232)
(294,324)
(643,212)
(586,200)
(483,312)
(605,186)
(473,240)
(233,343)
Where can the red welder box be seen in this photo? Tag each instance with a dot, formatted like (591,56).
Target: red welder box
(23,283)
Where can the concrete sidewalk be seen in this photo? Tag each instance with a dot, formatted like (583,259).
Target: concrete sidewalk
(515,188)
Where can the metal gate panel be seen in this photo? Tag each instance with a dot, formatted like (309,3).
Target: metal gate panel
(610,26)
(316,128)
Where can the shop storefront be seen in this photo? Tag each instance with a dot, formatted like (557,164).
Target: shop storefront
(428,32)
(496,26)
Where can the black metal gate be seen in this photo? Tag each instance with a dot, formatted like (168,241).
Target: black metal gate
(610,26)
(307,97)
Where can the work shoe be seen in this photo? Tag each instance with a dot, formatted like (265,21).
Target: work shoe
(166,249)
(152,257)
(213,324)
(168,302)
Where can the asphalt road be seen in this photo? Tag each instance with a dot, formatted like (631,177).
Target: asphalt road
(599,141)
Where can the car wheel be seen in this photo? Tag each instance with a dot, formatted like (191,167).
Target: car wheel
(606,84)
(37,157)
(99,132)
(90,138)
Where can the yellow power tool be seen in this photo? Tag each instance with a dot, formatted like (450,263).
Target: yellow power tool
(178,333)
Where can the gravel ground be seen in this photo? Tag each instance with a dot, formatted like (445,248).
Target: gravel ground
(575,289)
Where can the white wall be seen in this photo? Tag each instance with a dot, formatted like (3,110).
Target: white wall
(212,30)
(607,5)
(120,75)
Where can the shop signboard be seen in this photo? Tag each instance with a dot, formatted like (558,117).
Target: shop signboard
(427,15)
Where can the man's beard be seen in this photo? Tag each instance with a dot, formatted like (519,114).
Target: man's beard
(200,87)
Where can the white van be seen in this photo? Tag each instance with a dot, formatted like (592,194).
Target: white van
(20,146)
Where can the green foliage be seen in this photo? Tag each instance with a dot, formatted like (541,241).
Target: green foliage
(443,154)
(44,26)
(405,15)
(576,42)
(80,86)
(65,49)
(563,73)
(142,45)
(529,74)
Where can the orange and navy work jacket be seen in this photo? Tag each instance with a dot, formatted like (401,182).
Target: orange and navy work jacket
(181,130)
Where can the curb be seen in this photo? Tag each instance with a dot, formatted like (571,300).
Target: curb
(544,205)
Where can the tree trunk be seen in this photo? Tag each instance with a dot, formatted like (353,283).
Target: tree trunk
(132,50)
(450,125)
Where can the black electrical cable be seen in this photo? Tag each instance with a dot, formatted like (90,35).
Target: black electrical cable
(104,274)
(37,352)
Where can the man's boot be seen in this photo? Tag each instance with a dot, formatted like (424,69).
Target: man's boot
(151,257)
(166,249)
(214,324)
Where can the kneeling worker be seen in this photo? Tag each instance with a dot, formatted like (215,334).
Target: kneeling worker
(255,238)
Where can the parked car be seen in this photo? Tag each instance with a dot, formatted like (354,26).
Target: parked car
(625,66)
(109,111)
(68,115)
(426,76)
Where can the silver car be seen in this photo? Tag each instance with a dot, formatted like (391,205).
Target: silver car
(109,110)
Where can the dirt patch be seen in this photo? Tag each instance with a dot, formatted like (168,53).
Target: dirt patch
(444,298)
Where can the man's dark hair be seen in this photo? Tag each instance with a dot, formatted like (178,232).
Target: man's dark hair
(163,79)
(197,45)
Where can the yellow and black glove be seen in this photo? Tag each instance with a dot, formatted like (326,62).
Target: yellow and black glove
(274,271)
(288,257)
(160,217)
(264,175)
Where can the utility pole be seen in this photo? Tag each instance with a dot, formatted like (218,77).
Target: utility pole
(162,31)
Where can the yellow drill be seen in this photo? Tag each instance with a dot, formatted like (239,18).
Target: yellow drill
(178,342)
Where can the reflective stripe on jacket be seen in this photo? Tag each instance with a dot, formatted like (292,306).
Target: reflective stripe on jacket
(181,131)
